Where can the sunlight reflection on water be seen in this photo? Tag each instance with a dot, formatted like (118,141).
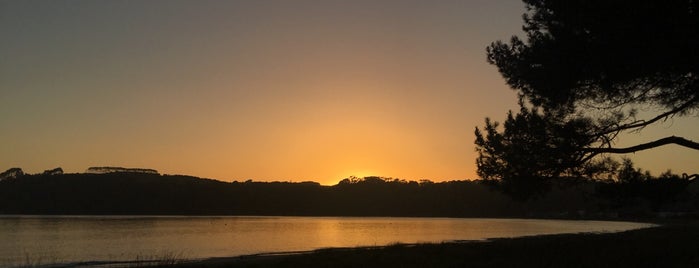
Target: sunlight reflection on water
(32,240)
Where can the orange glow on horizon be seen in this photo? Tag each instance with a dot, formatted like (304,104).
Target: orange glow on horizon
(238,90)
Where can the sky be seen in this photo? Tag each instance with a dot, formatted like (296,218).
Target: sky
(264,90)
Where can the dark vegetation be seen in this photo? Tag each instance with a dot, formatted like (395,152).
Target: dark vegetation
(639,195)
(671,245)
(610,58)
(582,71)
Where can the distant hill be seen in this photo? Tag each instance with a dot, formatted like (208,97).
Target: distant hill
(129,193)
(103,170)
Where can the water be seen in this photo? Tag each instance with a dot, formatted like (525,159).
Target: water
(32,240)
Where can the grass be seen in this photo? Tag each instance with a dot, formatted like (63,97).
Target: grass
(164,259)
(674,244)
(30,261)
(159,260)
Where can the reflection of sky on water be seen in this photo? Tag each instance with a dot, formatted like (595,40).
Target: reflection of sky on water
(65,239)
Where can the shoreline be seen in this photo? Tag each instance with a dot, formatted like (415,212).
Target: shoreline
(667,244)
(284,254)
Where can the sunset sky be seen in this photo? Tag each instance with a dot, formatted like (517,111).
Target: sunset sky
(263,90)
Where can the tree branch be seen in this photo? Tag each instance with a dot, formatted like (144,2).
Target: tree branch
(643,123)
(690,177)
(664,141)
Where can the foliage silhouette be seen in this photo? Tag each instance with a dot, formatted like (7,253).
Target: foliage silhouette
(102,170)
(532,149)
(585,68)
(11,173)
(152,194)
(55,171)
(606,53)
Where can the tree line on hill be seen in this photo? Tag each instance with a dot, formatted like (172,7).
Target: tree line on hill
(154,194)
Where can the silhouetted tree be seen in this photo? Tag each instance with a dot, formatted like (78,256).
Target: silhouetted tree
(532,149)
(55,171)
(610,57)
(629,174)
(585,68)
(11,173)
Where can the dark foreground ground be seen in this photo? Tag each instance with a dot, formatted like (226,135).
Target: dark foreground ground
(674,244)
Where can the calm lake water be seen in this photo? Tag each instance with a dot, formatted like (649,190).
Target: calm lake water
(31,240)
